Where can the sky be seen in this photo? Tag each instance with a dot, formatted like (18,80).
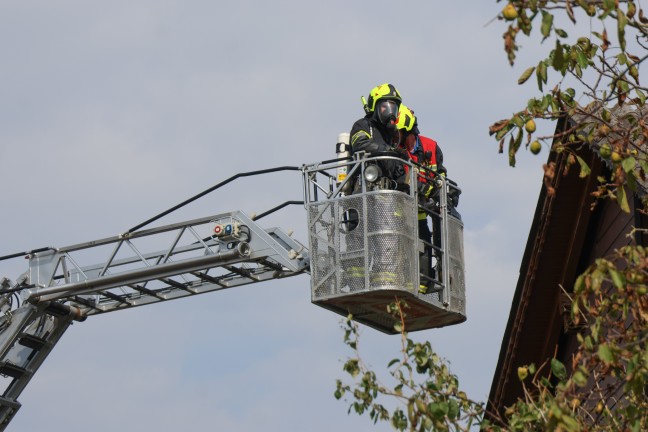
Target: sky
(112,112)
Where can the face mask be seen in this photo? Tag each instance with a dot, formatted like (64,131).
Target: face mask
(387,111)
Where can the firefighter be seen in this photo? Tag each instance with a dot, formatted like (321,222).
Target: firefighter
(376,132)
(427,153)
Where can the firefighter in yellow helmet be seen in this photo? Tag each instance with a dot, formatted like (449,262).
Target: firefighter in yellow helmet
(427,154)
(376,131)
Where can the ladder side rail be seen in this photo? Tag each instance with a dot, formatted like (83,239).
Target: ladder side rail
(60,325)
(44,265)
(262,246)
(162,257)
(136,276)
(25,344)
(143,233)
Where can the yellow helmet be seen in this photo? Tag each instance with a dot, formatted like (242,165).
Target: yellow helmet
(384,91)
(406,119)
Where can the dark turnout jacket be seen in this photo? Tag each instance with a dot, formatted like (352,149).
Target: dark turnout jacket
(370,136)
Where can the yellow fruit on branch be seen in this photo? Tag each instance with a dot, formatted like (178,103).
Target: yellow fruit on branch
(535,147)
(616,157)
(509,12)
(530,126)
(604,130)
(523,372)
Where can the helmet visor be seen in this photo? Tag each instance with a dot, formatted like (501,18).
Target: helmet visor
(387,111)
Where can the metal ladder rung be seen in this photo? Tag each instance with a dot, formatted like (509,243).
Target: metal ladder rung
(115,297)
(31,341)
(9,403)
(146,291)
(241,272)
(207,278)
(9,369)
(175,284)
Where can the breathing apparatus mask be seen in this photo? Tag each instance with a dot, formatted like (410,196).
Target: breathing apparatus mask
(387,112)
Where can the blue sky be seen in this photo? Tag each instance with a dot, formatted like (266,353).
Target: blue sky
(114,111)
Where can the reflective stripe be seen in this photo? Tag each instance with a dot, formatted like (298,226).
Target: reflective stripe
(384,277)
(355,272)
(355,137)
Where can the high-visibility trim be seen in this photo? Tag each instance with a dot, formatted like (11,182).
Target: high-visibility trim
(357,135)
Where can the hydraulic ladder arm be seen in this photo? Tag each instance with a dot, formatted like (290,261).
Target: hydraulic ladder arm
(135,269)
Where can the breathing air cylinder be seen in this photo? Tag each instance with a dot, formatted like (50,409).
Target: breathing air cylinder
(343,150)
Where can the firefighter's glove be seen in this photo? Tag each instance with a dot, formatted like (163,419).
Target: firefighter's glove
(425,190)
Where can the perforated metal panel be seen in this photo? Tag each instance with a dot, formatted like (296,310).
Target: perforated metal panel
(362,243)
(456,254)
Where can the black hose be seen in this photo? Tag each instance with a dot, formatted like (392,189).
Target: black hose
(211,189)
(19,254)
(279,207)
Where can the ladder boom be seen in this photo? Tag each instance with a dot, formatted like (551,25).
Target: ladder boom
(196,261)
(134,269)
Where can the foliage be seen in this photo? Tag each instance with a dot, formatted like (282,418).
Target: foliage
(587,79)
(427,393)
(591,83)
(604,387)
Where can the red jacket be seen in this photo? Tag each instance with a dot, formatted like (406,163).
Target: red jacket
(426,152)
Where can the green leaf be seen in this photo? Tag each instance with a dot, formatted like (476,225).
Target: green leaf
(628,164)
(541,74)
(579,378)
(618,279)
(558,369)
(622,59)
(582,59)
(547,22)
(438,409)
(562,33)
(569,423)
(579,285)
(518,121)
(622,20)
(558,57)
(453,410)
(631,181)
(500,133)
(605,353)
(622,199)
(641,96)
(588,343)
(525,75)
(585,169)
(644,165)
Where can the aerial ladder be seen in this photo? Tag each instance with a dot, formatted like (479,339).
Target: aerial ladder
(227,250)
